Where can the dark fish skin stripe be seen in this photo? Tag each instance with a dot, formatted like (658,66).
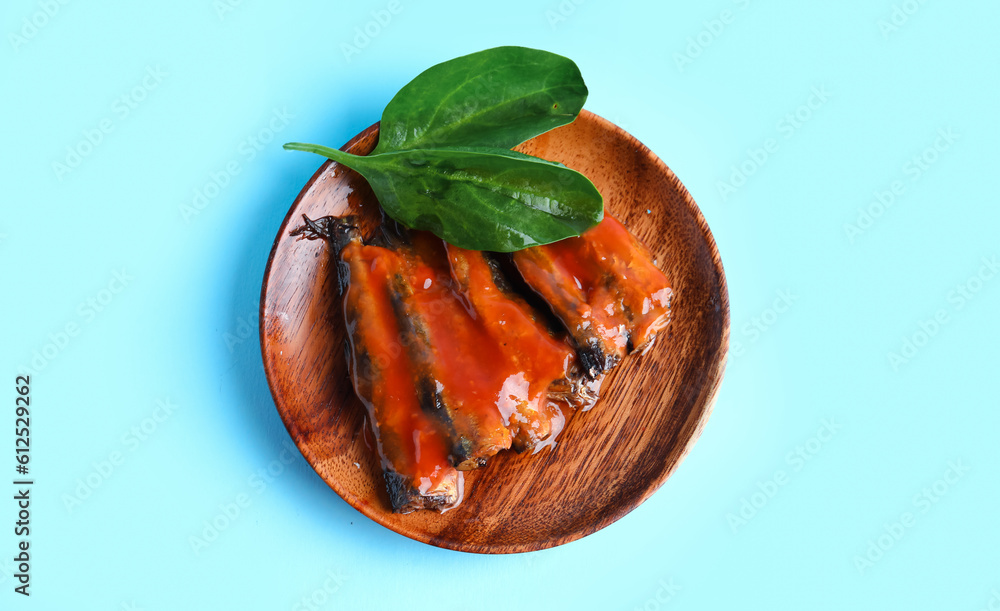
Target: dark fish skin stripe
(391,235)
(401,493)
(417,345)
(594,361)
(432,403)
(515,286)
(499,277)
(363,363)
(404,498)
(591,360)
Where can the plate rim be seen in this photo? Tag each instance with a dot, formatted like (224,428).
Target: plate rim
(713,380)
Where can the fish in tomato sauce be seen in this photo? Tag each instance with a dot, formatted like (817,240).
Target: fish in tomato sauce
(606,290)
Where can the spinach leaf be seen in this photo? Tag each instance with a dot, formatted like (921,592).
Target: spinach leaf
(498,98)
(477,198)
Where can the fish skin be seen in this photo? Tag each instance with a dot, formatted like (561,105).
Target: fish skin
(473,437)
(605,289)
(414,454)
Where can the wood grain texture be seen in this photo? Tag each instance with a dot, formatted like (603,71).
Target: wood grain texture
(608,460)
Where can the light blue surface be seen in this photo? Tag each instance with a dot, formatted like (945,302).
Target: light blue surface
(704,89)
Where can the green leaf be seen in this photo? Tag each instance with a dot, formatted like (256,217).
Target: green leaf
(477,198)
(497,98)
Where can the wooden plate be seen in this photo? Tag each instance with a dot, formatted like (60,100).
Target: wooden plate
(608,460)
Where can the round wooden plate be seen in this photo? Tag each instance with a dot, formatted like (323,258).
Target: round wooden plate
(608,460)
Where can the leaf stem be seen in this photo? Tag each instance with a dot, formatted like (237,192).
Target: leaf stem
(330,153)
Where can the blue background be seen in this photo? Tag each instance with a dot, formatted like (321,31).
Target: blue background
(826,284)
